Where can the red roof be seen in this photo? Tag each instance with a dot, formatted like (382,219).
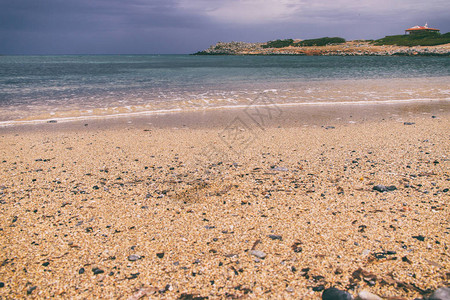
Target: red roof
(421,28)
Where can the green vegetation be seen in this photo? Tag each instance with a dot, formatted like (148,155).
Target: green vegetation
(314,42)
(279,43)
(321,42)
(417,39)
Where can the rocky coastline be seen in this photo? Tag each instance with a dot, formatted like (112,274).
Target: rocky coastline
(350,48)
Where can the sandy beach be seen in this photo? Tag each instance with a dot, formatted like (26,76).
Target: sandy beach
(269,202)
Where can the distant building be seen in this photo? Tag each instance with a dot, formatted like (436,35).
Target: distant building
(419,29)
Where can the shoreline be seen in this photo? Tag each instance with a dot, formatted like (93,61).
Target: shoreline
(293,109)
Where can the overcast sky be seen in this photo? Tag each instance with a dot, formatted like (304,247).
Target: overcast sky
(186,26)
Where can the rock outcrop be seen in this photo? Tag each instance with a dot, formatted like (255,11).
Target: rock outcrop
(351,48)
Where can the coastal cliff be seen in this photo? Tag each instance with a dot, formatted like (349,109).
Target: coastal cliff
(350,48)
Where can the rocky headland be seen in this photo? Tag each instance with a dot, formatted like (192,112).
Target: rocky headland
(349,48)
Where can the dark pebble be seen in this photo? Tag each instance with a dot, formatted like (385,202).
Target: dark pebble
(46,264)
(31,289)
(52,121)
(2,284)
(335,294)
(419,237)
(382,188)
(297,249)
(379,255)
(97,271)
(408,123)
(318,288)
(81,271)
(160,255)
(275,237)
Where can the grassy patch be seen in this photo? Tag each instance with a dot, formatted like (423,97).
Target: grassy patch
(279,43)
(321,41)
(418,39)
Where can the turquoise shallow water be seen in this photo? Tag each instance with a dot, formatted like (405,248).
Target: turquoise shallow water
(44,86)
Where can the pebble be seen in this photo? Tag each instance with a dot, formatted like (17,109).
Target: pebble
(258,253)
(408,123)
(31,289)
(97,271)
(318,288)
(419,237)
(441,294)
(81,271)
(160,255)
(133,257)
(365,295)
(2,284)
(275,237)
(382,188)
(335,294)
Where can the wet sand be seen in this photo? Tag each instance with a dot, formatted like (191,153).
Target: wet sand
(175,206)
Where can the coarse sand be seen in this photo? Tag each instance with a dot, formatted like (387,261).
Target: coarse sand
(246,209)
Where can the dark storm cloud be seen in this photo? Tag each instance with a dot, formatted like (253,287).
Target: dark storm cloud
(184,26)
(57,15)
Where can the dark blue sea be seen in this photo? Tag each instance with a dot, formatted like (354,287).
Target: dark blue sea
(38,88)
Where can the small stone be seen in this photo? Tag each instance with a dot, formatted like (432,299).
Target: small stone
(46,264)
(289,289)
(133,257)
(31,289)
(160,255)
(275,237)
(365,295)
(2,284)
(52,121)
(382,188)
(318,288)
(335,294)
(408,123)
(97,271)
(419,237)
(366,252)
(258,254)
(441,294)
(81,271)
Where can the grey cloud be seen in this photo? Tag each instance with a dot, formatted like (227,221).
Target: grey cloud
(166,26)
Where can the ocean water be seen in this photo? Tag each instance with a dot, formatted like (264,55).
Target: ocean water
(40,88)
